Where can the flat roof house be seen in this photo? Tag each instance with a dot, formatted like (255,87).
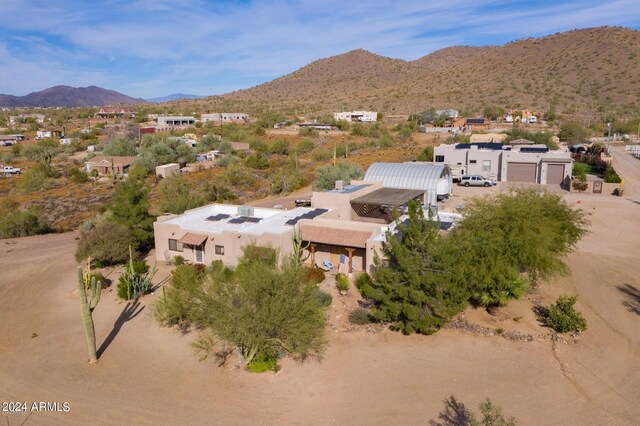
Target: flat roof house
(354,116)
(225,117)
(112,112)
(171,120)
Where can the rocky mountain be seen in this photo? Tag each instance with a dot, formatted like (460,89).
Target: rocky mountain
(62,96)
(579,71)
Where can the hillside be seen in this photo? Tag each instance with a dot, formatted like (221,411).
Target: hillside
(68,96)
(580,71)
(173,97)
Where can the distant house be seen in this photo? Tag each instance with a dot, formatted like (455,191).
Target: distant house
(25,118)
(318,126)
(168,170)
(225,117)
(355,116)
(449,113)
(519,163)
(147,130)
(113,112)
(172,120)
(66,141)
(212,155)
(109,164)
(476,124)
(7,140)
(43,134)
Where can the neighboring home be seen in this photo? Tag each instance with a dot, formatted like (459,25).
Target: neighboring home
(172,120)
(212,155)
(521,141)
(43,134)
(190,142)
(25,118)
(519,163)
(488,137)
(109,164)
(66,141)
(147,130)
(168,170)
(240,146)
(113,112)
(480,158)
(283,124)
(7,140)
(355,116)
(225,117)
(477,124)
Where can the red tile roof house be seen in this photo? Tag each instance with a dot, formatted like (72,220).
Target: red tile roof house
(117,166)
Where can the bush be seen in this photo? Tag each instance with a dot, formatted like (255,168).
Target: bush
(78,176)
(342,282)
(314,275)
(359,316)
(362,280)
(178,260)
(107,243)
(323,298)
(15,223)
(610,175)
(36,178)
(176,306)
(426,154)
(326,176)
(262,363)
(563,317)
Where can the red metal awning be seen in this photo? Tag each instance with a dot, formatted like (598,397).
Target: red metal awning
(193,239)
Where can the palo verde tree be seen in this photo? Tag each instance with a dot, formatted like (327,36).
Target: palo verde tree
(409,284)
(326,176)
(512,233)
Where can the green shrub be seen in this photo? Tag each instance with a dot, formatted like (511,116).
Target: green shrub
(15,223)
(342,282)
(426,154)
(314,275)
(362,280)
(107,243)
(78,176)
(359,316)
(309,132)
(326,176)
(262,363)
(563,317)
(610,175)
(305,146)
(323,298)
(41,176)
(178,260)
(580,169)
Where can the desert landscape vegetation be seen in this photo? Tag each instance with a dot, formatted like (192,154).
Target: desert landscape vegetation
(443,322)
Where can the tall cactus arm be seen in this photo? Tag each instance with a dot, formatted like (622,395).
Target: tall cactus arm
(96,290)
(87,319)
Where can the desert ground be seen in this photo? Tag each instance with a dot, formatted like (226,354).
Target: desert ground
(148,374)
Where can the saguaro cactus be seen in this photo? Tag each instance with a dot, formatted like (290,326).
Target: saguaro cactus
(85,280)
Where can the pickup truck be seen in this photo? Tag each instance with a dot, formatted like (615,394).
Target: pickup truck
(8,170)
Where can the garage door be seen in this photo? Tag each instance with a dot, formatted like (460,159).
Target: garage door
(521,172)
(555,174)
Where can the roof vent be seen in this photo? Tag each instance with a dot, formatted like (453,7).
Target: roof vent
(245,211)
(339,185)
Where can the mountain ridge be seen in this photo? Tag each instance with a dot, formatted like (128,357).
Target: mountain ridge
(67,96)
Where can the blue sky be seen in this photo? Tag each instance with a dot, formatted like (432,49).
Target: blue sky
(148,48)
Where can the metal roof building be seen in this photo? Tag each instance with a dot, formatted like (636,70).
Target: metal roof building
(434,179)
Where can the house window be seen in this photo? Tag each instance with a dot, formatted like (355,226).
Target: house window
(486,165)
(439,158)
(472,161)
(219,250)
(174,245)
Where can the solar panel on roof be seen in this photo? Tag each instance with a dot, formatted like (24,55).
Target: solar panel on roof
(534,149)
(243,219)
(293,221)
(316,212)
(218,217)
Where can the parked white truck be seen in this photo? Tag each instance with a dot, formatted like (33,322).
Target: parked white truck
(8,170)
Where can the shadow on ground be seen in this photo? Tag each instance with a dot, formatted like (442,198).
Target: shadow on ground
(631,299)
(454,414)
(130,311)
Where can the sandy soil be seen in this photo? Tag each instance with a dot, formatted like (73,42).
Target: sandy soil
(150,375)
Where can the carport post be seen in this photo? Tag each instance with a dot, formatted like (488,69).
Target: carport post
(350,251)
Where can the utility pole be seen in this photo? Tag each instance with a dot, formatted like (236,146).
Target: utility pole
(608,136)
